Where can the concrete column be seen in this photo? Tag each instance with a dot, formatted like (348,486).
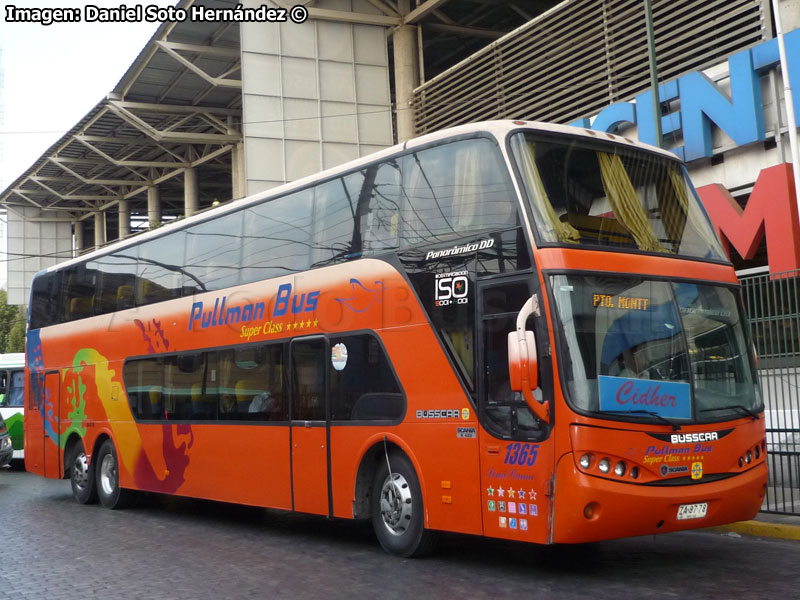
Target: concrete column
(78,227)
(238,179)
(99,229)
(406,74)
(153,207)
(124,219)
(191,193)
(790,13)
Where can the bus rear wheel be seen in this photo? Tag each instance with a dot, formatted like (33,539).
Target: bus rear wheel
(81,475)
(396,509)
(107,478)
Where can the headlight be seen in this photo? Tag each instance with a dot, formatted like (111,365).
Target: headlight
(585,461)
(620,468)
(604,465)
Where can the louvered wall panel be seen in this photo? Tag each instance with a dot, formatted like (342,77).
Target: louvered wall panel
(583,55)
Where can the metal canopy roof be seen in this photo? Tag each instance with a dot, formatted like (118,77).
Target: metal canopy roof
(179,105)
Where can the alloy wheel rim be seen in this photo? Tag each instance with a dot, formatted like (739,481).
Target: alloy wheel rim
(108,474)
(80,471)
(396,504)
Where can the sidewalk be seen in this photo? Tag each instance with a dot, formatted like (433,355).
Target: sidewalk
(785,527)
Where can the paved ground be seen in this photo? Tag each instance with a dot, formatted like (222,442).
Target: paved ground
(171,548)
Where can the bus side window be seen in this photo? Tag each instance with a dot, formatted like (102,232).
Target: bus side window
(3,385)
(16,392)
(213,254)
(159,273)
(362,383)
(144,381)
(252,384)
(336,230)
(117,277)
(45,307)
(308,390)
(380,225)
(277,237)
(455,188)
(79,289)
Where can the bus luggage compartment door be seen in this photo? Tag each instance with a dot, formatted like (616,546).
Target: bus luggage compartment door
(42,425)
(310,434)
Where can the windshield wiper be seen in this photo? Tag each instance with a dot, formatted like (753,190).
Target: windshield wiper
(742,409)
(666,421)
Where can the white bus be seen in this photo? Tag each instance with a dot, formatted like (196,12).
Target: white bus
(12,398)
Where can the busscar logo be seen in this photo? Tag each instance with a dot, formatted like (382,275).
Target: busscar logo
(691,438)
(438,414)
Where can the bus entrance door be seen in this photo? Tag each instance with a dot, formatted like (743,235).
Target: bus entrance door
(516,454)
(309,426)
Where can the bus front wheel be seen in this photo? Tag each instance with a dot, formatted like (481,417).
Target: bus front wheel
(81,475)
(107,478)
(396,509)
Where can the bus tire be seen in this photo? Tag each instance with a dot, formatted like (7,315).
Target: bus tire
(107,478)
(397,511)
(81,475)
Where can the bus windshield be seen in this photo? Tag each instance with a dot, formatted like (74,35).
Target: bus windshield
(592,194)
(654,349)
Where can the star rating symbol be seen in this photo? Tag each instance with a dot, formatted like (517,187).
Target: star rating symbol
(302,325)
(308,324)
(521,494)
(501,492)
(490,489)
(511,492)
(532,495)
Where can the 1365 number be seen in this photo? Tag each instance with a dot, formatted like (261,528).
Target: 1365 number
(521,454)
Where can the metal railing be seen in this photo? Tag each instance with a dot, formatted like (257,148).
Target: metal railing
(772,303)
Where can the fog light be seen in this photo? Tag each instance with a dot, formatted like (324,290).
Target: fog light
(604,465)
(620,468)
(585,461)
(748,457)
(635,472)
(591,510)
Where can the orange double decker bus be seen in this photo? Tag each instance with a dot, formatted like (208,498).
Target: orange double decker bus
(508,329)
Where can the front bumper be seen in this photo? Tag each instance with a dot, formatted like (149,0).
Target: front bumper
(625,509)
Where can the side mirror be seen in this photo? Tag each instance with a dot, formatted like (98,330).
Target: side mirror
(523,362)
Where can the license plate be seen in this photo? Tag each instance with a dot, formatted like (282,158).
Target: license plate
(692,511)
